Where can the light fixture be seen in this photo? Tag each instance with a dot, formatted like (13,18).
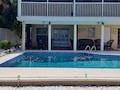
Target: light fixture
(101,23)
(49,23)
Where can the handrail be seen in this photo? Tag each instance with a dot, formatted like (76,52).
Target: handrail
(90,48)
(87,47)
(93,47)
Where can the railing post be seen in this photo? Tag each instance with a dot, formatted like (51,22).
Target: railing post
(102,7)
(47,6)
(74,8)
(19,7)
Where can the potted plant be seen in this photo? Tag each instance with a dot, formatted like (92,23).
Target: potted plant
(5,44)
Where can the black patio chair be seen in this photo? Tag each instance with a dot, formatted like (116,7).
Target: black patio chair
(108,45)
(82,43)
(97,44)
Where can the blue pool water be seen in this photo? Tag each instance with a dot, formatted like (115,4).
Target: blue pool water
(63,60)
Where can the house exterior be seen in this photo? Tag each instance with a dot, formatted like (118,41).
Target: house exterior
(61,24)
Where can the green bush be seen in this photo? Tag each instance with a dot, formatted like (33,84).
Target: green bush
(5,44)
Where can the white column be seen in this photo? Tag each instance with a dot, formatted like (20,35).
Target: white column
(102,7)
(19,7)
(74,7)
(47,7)
(75,37)
(23,35)
(49,37)
(102,37)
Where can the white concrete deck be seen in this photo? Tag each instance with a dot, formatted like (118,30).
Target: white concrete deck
(9,56)
(43,75)
(60,76)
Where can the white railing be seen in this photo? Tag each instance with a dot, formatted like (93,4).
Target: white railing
(60,9)
(111,9)
(33,9)
(68,9)
(88,9)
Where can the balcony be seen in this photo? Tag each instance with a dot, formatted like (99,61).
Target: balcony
(69,9)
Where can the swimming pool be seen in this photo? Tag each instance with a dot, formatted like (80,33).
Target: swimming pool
(63,60)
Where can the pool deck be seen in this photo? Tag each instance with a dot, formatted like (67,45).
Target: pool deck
(57,76)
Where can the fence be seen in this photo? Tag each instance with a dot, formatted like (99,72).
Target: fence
(6,34)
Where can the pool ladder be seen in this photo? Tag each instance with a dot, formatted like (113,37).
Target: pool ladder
(90,48)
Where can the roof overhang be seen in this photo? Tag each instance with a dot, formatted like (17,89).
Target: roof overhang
(69,20)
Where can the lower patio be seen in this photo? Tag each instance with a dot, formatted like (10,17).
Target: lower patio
(64,37)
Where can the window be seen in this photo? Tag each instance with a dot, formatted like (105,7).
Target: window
(41,31)
(91,32)
(61,37)
(42,38)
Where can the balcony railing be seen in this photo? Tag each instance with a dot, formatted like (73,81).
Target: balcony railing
(33,9)
(68,9)
(89,9)
(60,9)
(111,9)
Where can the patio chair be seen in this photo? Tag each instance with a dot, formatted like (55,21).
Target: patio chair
(97,44)
(108,45)
(82,43)
(71,41)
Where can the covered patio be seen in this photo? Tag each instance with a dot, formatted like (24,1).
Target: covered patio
(70,37)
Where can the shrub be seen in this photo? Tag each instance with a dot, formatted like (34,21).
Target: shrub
(5,44)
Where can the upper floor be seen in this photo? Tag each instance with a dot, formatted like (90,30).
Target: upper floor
(69,8)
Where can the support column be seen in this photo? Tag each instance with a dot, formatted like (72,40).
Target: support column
(102,7)
(49,37)
(47,7)
(75,37)
(102,37)
(74,8)
(19,7)
(23,35)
